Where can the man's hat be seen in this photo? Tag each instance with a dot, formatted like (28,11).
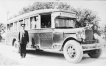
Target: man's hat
(22,25)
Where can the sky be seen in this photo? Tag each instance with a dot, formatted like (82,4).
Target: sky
(11,7)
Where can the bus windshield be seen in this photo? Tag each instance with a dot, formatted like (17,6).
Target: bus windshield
(64,23)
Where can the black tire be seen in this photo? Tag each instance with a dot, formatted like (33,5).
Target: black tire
(17,45)
(13,42)
(75,54)
(95,53)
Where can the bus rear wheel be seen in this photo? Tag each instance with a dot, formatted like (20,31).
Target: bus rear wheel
(13,42)
(95,53)
(16,45)
(73,51)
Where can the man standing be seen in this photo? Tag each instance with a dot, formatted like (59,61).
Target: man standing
(23,40)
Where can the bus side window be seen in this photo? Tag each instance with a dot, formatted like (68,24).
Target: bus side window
(27,24)
(11,26)
(15,26)
(33,21)
(18,25)
(8,27)
(46,21)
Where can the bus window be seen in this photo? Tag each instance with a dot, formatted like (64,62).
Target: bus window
(11,26)
(15,26)
(33,21)
(64,23)
(20,22)
(27,23)
(8,27)
(46,21)
(18,26)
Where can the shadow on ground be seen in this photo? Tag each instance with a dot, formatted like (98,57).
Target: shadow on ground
(46,54)
(85,60)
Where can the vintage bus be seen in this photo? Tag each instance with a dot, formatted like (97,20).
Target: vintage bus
(53,29)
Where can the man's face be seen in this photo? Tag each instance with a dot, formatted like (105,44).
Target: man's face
(23,26)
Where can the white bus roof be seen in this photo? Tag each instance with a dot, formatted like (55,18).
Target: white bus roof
(37,12)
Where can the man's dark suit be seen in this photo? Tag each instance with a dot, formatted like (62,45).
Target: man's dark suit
(23,40)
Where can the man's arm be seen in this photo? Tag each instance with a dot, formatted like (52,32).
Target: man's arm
(19,37)
(27,36)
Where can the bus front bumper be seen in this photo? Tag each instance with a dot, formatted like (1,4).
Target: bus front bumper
(92,46)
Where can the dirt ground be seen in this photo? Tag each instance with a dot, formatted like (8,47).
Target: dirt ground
(7,61)
(9,56)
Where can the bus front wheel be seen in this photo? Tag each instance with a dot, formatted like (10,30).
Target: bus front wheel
(73,51)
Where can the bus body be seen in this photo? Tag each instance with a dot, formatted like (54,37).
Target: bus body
(54,30)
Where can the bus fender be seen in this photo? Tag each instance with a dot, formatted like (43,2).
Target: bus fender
(67,39)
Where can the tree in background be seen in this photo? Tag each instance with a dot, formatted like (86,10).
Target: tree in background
(105,31)
(44,5)
(2,30)
(84,16)
(105,28)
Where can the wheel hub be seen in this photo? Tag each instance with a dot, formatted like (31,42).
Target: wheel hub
(71,51)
